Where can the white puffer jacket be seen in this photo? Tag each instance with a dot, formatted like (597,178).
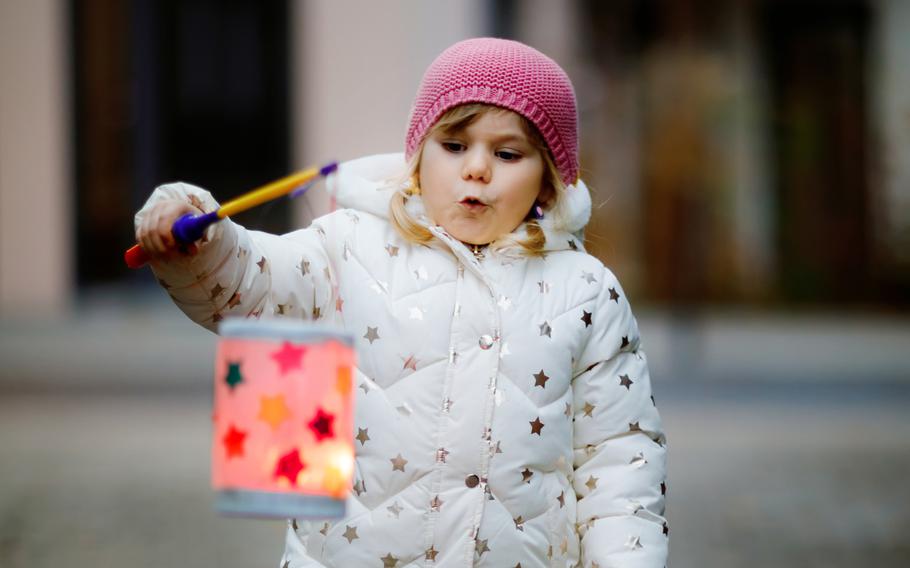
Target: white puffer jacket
(504,414)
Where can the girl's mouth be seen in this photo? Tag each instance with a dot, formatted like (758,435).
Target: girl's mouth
(473,204)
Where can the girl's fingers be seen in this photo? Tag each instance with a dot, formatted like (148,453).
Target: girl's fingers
(163,232)
(155,234)
(154,239)
(145,234)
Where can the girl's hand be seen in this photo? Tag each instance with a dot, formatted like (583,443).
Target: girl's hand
(154,233)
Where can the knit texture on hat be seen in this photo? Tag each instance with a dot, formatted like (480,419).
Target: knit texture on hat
(507,74)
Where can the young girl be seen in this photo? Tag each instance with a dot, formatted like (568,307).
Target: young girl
(504,413)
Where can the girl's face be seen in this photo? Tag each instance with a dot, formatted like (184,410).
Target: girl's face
(479,183)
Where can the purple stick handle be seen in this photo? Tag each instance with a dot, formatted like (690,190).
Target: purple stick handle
(190,228)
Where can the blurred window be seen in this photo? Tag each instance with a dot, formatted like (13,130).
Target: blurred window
(168,90)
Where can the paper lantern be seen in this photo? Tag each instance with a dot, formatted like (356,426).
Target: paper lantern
(283,420)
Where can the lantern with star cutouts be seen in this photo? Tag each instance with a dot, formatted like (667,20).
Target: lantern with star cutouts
(283,420)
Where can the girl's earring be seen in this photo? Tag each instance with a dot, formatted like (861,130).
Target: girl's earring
(537,211)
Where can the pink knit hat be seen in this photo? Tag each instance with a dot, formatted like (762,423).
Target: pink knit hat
(507,74)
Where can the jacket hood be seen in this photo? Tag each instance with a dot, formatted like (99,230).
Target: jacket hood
(367,184)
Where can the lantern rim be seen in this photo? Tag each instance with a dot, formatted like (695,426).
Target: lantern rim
(283,330)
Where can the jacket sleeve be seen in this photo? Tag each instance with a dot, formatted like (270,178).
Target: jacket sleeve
(620,447)
(244,273)
(295,553)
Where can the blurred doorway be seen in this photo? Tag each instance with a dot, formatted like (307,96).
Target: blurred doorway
(816,58)
(168,90)
(750,132)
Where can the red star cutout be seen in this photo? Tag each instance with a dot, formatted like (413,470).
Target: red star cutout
(290,466)
(321,425)
(233,442)
(289,357)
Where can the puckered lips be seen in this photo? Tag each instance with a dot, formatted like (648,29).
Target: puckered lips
(473,204)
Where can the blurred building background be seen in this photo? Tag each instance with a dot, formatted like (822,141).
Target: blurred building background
(750,168)
(748,153)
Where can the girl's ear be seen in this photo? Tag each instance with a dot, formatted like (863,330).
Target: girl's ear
(547,195)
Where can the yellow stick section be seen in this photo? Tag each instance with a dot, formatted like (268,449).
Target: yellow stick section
(267,192)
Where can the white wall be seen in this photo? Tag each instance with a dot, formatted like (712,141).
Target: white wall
(356,67)
(35,191)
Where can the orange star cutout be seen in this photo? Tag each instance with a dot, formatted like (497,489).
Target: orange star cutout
(343,381)
(273,410)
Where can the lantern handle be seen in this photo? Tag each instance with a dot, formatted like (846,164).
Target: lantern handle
(190,228)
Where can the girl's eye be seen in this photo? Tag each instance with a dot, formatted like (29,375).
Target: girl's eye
(508,155)
(453,146)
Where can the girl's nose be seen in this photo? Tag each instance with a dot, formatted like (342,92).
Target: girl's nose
(476,166)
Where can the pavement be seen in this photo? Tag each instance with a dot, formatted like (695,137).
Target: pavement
(141,341)
(789,440)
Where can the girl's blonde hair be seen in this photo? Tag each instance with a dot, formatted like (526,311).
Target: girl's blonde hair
(456,120)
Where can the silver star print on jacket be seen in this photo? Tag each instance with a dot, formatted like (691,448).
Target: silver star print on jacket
(545,329)
(398,463)
(372,334)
